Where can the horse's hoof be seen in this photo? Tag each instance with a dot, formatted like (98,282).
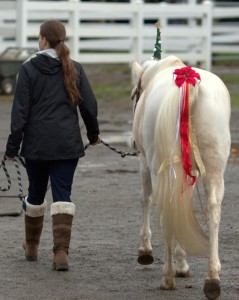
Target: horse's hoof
(182,274)
(168,284)
(212,289)
(145,259)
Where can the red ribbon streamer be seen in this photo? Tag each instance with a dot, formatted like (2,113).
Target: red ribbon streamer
(184,77)
(184,133)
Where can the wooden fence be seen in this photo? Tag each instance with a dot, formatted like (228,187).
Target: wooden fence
(124,32)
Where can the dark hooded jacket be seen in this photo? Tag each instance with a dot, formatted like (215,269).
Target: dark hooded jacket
(44,119)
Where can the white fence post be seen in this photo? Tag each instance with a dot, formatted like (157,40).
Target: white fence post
(137,22)
(162,19)
(208,23)
(74,24)
(21,23)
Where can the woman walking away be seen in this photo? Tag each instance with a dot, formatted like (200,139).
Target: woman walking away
(44,122)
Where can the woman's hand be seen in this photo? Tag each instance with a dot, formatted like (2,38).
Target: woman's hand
(97,142)
(9,158)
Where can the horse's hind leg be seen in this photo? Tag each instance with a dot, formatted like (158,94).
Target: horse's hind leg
(182,267)
(168,281)
(214,188)
(145,251)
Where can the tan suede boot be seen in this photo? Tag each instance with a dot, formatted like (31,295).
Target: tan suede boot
(34,215)
(62,217)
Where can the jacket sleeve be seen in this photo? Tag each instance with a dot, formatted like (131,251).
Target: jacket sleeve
(88,108)
(19,114)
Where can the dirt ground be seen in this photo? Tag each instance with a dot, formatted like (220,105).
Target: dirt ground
(105,236)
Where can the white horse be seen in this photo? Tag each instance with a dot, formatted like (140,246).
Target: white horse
(157,105)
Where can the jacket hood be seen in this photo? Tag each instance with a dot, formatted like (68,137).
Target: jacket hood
(46,64)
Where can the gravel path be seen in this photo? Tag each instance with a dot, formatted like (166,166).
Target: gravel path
(105,237)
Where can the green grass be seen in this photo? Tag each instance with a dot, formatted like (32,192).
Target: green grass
(6,99)
(232,83)
(112,91)
(110,81)
(235,100)
(226,59)
(230,78)
(113,82)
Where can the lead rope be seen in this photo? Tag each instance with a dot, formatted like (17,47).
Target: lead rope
(19,176)
(121,153)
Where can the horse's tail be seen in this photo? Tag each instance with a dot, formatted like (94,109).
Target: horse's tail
(173,195)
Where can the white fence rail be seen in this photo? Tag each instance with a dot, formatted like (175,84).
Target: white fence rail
(225,31)
(124,32)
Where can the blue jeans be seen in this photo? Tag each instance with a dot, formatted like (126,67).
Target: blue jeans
(60,172)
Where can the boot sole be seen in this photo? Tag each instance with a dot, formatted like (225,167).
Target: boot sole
(60,267)
(31,258)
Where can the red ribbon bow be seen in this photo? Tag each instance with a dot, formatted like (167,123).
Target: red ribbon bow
(186,74)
